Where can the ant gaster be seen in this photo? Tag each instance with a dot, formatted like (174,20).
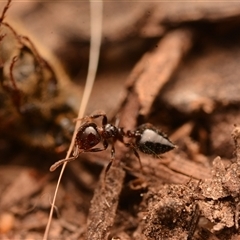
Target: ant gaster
(146,138)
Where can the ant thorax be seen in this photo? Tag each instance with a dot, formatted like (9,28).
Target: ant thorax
(110,131)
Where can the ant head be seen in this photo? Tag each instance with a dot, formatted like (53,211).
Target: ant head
(87,136)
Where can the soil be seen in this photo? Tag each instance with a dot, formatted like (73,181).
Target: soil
(174,65)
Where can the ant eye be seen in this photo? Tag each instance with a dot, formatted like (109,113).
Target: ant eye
(88,137)
(151,141)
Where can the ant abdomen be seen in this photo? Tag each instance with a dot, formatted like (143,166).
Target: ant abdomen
(150,140)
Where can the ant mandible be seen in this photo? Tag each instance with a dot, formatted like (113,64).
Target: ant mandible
(146,138)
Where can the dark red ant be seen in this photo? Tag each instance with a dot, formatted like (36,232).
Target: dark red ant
(147,139)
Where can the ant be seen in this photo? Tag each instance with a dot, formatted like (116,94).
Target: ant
(146,138)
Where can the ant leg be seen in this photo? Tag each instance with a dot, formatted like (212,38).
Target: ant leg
(83,119)
(139,159)
(105,145)
(135,153)
(111,161)
(96,150)
(100,114)
(94,116)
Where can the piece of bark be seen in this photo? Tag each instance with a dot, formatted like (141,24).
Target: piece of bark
(205,82)
(167,14)
(104,204)
(129,111)
(171,168)
(189,168)
(155,68)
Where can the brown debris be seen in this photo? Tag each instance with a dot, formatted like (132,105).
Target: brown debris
(169,213)
(219,213)
(225,182)
(213,188)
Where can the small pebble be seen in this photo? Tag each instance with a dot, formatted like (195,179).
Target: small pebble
(6,222)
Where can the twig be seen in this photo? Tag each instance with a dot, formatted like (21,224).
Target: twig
(104,204)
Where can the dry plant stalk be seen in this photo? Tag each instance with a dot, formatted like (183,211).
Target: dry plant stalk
(95,43)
